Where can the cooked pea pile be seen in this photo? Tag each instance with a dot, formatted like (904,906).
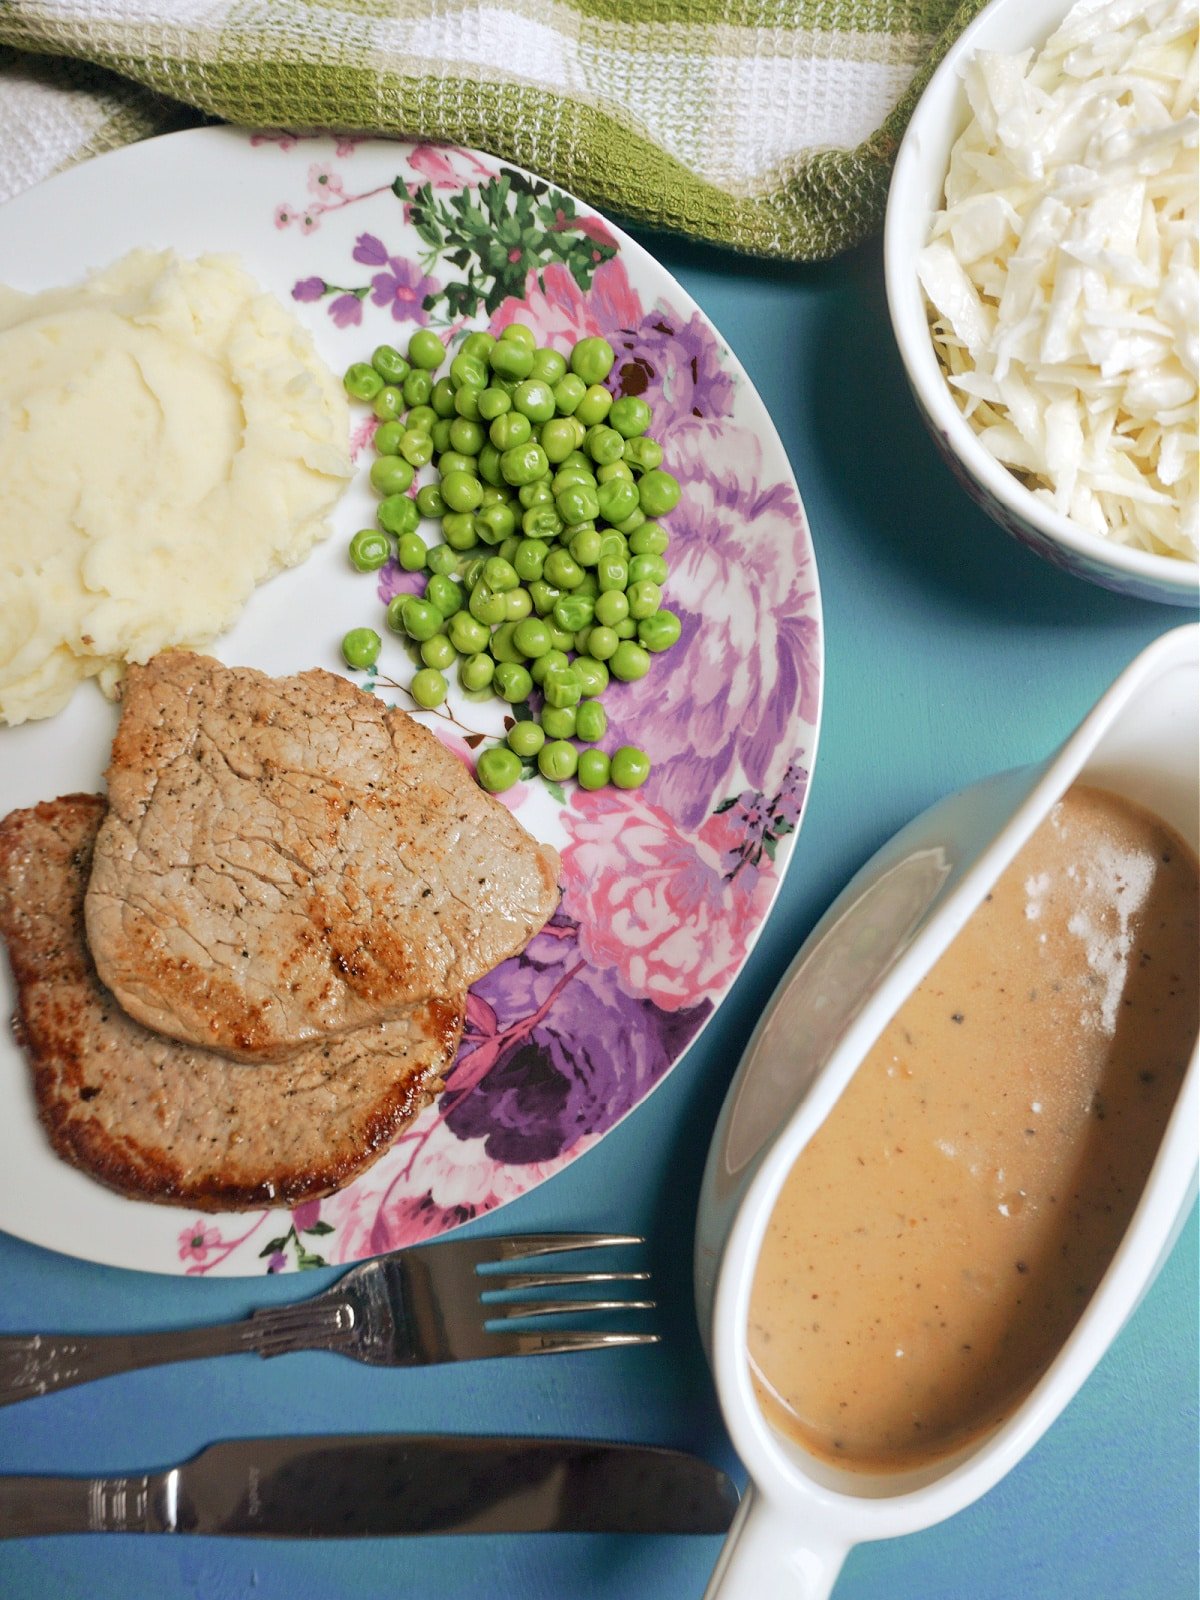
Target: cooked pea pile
(550,572)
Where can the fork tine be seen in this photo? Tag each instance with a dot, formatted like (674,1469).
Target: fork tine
(511,1343)
(514,1247)
(497,1282)
(552,1308)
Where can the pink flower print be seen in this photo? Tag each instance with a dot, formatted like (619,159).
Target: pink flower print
(590,227)
(654,904)
(195,1242)
(305,1215)
(284,216)
(324,179)
(559,312)
(448,166)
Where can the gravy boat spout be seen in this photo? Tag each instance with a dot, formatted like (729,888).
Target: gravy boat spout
(801,1513)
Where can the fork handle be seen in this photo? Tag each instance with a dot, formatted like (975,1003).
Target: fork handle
(38,1364)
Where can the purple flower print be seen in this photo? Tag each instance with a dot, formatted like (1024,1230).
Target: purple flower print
(727,695)
(675,366)
(308,289)
(402,286)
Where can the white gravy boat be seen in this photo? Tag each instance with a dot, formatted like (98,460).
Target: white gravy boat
(800,1515)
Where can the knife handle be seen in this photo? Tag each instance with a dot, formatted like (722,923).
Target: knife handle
(41,1505)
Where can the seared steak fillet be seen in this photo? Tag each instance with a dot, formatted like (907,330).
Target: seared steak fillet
(161,1121)
(286,859)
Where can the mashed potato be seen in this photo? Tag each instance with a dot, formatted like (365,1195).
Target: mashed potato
(169,438)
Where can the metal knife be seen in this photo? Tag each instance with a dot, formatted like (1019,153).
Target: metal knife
(372,1485)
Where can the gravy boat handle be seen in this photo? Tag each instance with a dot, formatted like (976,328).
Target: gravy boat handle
(769,1555)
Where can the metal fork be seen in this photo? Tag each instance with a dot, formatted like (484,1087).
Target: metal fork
(413,1308)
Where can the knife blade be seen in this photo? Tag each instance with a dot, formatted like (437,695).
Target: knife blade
(374,1485)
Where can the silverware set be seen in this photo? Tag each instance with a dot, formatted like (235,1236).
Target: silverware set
(456,1300)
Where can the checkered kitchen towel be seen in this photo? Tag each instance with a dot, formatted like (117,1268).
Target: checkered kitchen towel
(764,125)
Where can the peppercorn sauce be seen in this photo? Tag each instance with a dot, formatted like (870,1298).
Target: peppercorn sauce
(944,1229)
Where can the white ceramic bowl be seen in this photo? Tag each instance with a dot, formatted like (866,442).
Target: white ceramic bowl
(916,193)
(801,1515)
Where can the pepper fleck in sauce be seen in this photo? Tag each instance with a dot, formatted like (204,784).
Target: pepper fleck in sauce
(944,1229)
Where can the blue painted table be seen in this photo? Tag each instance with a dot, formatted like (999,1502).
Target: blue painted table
(950,653)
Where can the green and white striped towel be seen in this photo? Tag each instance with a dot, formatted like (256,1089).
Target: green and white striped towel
(764,125)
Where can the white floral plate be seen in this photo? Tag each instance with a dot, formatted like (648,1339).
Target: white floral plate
(665,888)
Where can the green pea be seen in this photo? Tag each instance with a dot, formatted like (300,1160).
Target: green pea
(485,605)
(591,722)
(630,415)
(643,453)
(461,491)
(562,686)
(467,635)
(493,403)
(539,666)
(604,445)
(369,549)
(426,350)
(560,638)
(496,522)
(510,430)
(592,360)
(658,492)
(593,769)
(559,722)
(537,493)
(572,612)
(440,434)
(541,522)
(499,574)
(532,638)
(416,447)
(594,407)
(557,760)
(388,403)
(430,501)
(418,387)
(438,652)
(529,558)
(513,682)
(478,344)
(611,573)
(466,437)
(518,333)
(578,502)
(601,643)
(451,460)
(557,439)
(659,631)
(614,469)
(618,498)
(502,646)
(387,437)
(391,474)
(614,544)
(650,539)
(584,545)
(630,767)
(593,675)
(543,595)
(411,552)
(510,358)
(389,364)
(611,607)
(562,570)
(442,560)
(475,672)
(497,769)
(398,512)
(524,464)
(548,365)
(362,382)
(517,605)
(629,662)
(644,599)
(460,530)
(441,398)
(360,648)
(526,739)
(534,399)
(421,618)
(489,465)
(468,371)
(466,402)
(445,594)
(625,629)
(651,569)
(568,392)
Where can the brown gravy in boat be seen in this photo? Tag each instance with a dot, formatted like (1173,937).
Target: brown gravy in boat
(942,1232)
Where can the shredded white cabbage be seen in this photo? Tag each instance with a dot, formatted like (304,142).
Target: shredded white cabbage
(1063,272)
